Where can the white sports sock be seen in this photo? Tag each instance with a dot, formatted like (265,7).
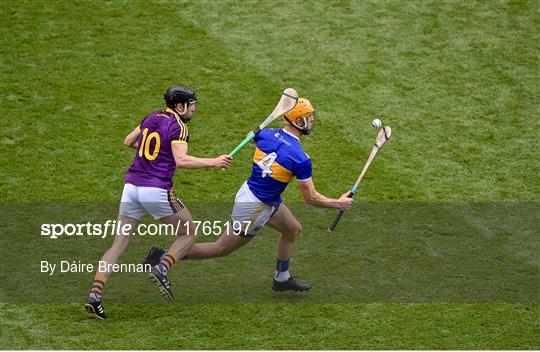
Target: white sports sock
(282,276)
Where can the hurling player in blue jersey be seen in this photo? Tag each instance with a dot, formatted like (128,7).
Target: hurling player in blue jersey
(277,160)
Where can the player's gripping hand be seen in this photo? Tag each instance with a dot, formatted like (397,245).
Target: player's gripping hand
(222,161)
(345,202)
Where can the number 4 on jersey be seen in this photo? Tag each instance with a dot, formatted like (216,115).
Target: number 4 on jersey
(266,164)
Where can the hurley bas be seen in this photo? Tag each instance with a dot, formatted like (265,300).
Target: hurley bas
(77,267)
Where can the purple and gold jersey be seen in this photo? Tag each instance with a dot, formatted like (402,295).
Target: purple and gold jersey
(278,158)
(154,164)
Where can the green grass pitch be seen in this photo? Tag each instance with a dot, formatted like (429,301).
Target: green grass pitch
(441,250)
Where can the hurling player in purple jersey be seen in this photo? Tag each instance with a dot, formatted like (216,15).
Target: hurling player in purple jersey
(161,143)
(278,158)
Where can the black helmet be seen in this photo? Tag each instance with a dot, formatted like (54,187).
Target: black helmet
(179,94)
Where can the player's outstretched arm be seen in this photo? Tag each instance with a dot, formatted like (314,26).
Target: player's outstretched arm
(311,196)
(185,161)
(132,138)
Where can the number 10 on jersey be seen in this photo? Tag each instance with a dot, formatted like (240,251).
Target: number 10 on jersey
(145,145)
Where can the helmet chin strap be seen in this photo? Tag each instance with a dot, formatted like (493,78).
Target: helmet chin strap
(303,130)
(308,127)
(185,119)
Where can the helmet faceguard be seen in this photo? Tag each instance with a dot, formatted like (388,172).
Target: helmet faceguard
(304,124)
(299,116)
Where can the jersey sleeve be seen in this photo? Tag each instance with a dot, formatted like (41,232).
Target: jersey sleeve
(178,133)
(260,135)
(303,170)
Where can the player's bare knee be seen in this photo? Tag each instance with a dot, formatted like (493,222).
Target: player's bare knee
(190,228)
(296,230)
(183,229)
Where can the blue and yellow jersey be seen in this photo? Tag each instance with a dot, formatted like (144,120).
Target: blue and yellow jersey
(278,158)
